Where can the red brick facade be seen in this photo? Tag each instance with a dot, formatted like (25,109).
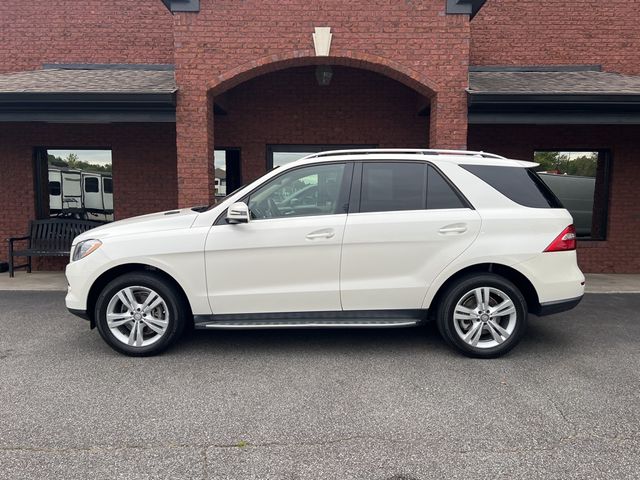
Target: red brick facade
(391,58)
(558,32)
(90,31)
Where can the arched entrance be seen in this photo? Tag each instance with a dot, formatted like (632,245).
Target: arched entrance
(284,113)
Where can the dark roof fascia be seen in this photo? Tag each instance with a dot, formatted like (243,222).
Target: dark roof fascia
(619,109)
(83,98)
(519,98)
(553,118)
(87,116)
(87,108)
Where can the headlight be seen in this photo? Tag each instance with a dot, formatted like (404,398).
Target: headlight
(85,248)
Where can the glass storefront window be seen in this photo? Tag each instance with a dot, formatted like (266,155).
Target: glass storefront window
(80,184)
(278,155)
(580,180)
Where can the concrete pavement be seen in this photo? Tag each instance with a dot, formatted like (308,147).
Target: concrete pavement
(380,405)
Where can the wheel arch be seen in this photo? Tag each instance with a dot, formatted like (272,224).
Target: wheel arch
(114,272)
(514,276)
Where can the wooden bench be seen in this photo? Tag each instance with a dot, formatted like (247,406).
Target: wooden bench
(47,238)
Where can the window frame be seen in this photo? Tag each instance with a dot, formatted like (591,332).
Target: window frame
(604,155)
(356,186)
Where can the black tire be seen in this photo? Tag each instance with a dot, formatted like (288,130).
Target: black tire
(175,307)
(460,290)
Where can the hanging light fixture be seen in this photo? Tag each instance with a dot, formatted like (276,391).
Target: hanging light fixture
(324,73)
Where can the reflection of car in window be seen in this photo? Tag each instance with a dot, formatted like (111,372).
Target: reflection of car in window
(576,194)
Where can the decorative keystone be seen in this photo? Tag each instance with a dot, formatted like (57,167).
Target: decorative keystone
(322,41)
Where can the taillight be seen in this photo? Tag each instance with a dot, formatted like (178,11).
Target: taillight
(565,241)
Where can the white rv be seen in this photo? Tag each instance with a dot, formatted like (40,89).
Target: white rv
(78,194)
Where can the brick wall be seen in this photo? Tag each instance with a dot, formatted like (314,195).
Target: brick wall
(144,167)
(88,31)
(620,253)
(288,107)
(414,42)
(558,32)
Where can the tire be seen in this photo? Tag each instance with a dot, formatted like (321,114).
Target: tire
(477,332)
(140,331)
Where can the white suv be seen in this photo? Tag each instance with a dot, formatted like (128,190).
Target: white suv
(356,238)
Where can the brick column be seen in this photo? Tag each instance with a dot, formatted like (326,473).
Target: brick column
(194,144)
(448,122)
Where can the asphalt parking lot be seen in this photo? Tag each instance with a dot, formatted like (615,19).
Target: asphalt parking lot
(375,404)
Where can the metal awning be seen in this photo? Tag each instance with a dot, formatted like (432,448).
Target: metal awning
(89,94)
(552,95)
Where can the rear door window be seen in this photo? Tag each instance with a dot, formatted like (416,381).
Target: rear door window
(393,186)
(521,185)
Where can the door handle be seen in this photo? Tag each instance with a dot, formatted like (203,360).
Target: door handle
(320,234)
(457,228)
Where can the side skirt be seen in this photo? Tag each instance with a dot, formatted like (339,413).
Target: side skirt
(338,319)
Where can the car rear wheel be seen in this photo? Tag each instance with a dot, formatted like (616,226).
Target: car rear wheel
(140,314)
(482,315)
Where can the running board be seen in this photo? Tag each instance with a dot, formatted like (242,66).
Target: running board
(349,319)
(261,324)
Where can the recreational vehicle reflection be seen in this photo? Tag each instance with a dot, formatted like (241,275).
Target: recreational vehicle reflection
(78,194)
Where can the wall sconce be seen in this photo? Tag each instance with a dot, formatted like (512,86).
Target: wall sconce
(324,73)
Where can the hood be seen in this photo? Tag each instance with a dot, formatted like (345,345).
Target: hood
(153,222)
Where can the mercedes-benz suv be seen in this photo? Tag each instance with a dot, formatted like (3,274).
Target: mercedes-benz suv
(354,238)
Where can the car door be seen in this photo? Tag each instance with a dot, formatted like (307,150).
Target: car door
(287,257)
(407,223)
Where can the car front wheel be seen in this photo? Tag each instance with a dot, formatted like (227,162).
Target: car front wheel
(482,315)
(139,314)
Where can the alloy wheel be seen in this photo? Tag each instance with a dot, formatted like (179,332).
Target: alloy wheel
(137,316)
(485,317)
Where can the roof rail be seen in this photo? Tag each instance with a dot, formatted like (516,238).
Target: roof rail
(416,151)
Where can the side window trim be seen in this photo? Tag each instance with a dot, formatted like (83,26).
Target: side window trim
(356,188)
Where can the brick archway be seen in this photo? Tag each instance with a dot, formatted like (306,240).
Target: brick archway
(271,63)
(194,112)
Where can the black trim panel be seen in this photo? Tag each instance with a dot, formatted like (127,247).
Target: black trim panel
(79,313)
(550,308)
(331,316)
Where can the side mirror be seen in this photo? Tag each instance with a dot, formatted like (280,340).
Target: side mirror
(238,213)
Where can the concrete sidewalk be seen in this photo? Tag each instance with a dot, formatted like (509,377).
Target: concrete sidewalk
(55,281)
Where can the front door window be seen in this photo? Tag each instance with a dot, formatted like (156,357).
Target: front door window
(313,190)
